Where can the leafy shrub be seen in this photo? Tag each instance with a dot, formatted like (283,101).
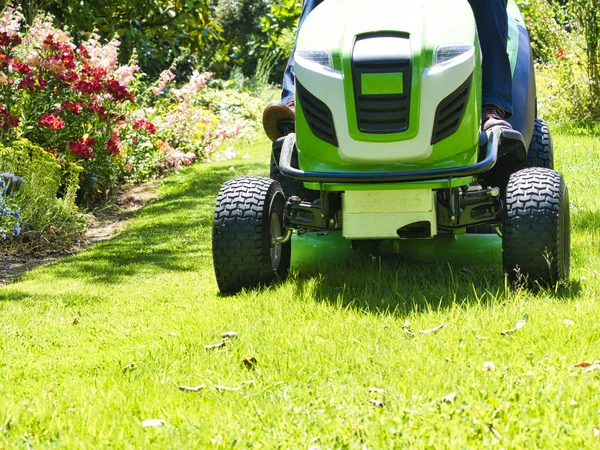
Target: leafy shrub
(47,196)
(10,213)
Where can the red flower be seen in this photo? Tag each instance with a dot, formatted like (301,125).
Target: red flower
(52,122)
(6,119)
(9,41)
(27,83)
(80,148)
(83,51)
(49,41)
(145,125)
(560,54)
(69,77)
(41,83)
(98,109)
(118,92)
(21,67)
(114,144)
(73,107)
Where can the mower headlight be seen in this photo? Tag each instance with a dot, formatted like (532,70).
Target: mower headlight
(315,56)
(446,53)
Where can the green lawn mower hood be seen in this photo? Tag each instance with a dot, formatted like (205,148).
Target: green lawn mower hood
(388,85)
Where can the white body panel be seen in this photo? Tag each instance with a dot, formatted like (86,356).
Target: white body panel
(437,83)
(379,214)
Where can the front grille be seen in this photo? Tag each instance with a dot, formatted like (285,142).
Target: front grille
(450,112)
(383,113)
(317,114)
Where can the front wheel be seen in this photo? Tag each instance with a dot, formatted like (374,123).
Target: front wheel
(536,227)
(248,217)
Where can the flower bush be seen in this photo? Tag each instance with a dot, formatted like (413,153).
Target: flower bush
(69,112)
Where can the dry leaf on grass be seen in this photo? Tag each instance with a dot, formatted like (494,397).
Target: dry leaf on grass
(75,321)
(520,324)
(377,391)
(153,423)
(191,389)
(250,363)
(221,344)
(229,335)
(583,364)
(377,403)
(432,330)
(450,397)
(494,431)
(589,367)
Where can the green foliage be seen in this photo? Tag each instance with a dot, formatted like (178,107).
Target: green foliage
(545,21)
(47,196)
(586,21)
(566,42)
(160,31)
(255,31)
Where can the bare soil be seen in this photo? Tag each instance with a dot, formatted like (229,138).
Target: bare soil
(106,225)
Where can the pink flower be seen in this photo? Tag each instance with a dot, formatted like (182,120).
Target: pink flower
(196,82)
(124,75)
(10,22)
(163,80)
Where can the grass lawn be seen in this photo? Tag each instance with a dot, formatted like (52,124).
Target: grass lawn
(97,343)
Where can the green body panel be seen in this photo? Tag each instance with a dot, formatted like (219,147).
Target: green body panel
(309,249)
(333,26)
(434,184)
(382,83)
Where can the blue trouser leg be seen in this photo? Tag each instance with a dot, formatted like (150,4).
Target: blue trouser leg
(492,27)
(287,94)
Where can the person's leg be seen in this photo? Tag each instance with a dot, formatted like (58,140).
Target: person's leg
(492,27)
(287,94)
(278,116)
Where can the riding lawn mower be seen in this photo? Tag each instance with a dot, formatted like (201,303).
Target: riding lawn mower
(387,147)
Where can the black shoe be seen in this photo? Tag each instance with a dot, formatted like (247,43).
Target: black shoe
(493,116)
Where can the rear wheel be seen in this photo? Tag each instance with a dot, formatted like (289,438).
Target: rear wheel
(536,227)
(248,216)
(541,152)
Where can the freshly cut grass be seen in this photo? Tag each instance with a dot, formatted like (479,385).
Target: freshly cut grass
(100,342)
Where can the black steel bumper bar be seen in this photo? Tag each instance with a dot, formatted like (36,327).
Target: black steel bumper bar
(493,142)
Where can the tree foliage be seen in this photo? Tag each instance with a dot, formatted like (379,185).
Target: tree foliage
(159,31)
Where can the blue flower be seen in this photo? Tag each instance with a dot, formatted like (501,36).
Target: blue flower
(17,229)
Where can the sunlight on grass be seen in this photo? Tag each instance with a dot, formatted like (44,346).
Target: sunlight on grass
(97,343)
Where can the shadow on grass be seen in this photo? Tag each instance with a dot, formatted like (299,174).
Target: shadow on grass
(170,234)
(391,285)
